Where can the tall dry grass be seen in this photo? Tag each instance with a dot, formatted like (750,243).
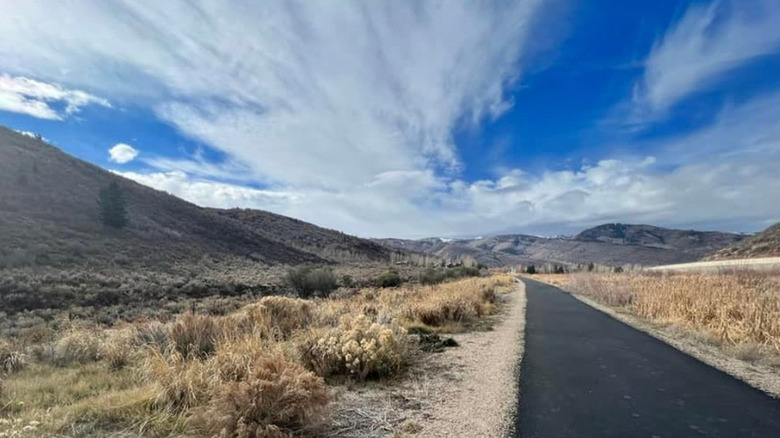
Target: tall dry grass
(262,371)
(735,308)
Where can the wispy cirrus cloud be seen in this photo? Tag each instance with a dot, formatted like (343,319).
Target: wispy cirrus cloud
(35,98)
(707,42)
(304,93)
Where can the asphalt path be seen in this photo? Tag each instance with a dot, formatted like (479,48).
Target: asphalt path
(585,374)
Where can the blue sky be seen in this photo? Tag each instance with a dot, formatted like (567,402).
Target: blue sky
(415,119)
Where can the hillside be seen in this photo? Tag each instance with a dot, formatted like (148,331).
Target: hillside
(330,244)
(49,216)
(764,244)
(691,242)
(611,244)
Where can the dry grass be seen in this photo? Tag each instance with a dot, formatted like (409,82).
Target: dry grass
(739,309)
(262,371)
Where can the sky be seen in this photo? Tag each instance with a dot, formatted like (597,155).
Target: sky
(396,118)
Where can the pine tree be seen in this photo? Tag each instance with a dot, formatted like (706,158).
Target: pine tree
(113,206)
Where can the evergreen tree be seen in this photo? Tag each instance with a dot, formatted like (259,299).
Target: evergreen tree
(113,206)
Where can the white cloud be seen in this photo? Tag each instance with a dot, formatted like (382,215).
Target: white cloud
(612,190)
(321,94)
(27,96)
(345,112)
(707,42)
(211,193)
(122,153)
(722,176)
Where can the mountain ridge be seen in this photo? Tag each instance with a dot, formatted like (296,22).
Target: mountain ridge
(612,244)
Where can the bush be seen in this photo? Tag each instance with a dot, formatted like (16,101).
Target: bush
(451,303)
(117,347)
(77,345)
(11,359)
(307,280)
(432,276)
(153,334)
(273,317)
(347,280)
(194,336)
(357,347)
(277,398)
(389,278)
(181,384)
(436,276)
(531,269)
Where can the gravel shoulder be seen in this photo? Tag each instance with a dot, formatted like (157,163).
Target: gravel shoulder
(469,391)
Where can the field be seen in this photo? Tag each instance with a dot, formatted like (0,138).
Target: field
(265,370)
(738,311)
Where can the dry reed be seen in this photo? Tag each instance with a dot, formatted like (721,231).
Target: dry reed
(736,308)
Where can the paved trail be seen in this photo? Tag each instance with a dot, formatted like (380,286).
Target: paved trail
(585,374)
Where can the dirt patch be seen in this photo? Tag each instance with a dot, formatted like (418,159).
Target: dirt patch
(465,391)
(761,376)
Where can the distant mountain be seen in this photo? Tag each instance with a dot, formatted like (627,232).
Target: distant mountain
(612,244)
(764,244)
(50,216)
(695,243)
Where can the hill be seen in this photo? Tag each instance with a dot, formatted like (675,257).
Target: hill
(690,242)
(610,244)
(49,216)
(764,244)
(329,244)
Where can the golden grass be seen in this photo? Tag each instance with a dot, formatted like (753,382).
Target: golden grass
(734,308)
(257,372)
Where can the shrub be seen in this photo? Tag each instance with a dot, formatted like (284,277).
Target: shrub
(432,276)
(117,347)
(11,359)
(307,280)
(286,315)
(436,276)
(194,336)
(153,334)
(273,317)
(347,280)
(531,269)
(451,303)
(276,399)
(77,345)
(181,384)
(357,348)
(389,278)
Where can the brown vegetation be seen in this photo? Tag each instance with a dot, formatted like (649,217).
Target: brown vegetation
(763,244)
(740,310)
(261,371)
